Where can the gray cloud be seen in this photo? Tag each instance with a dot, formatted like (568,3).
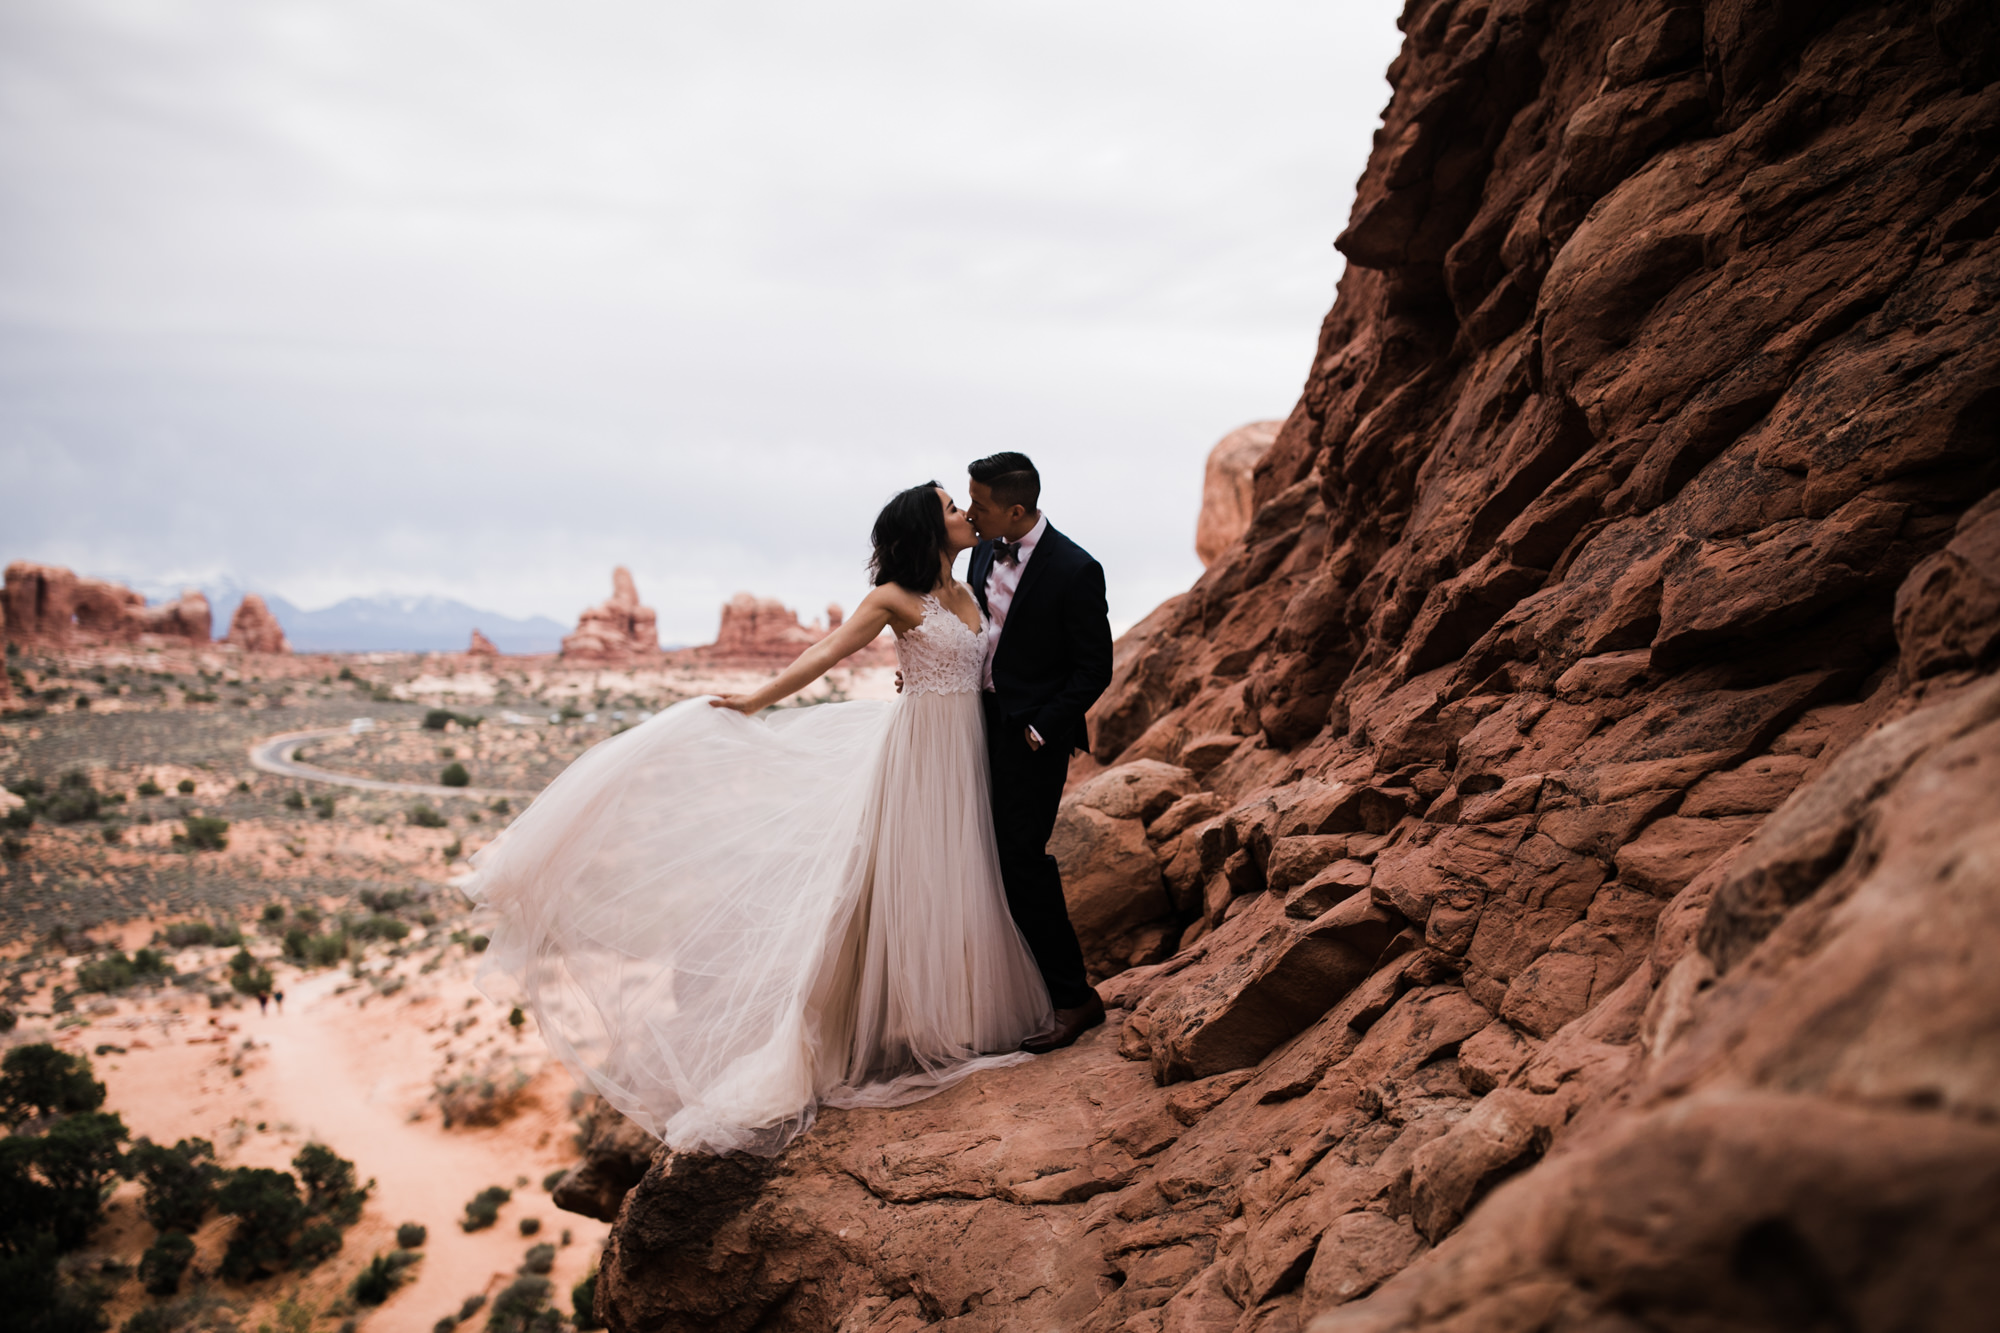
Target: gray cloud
(480,299)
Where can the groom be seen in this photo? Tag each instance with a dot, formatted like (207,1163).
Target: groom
(1047,661)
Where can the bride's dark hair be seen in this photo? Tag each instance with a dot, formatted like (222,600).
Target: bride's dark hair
(909,535)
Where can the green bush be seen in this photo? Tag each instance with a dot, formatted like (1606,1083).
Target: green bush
(205,833)
(148,787)
(309,949)
(455,775)
(161,1266)
(329,1182)
(317,1242)
(185,786)
(424,817)
(437,719)
(483,1209)
(40,1080)
(295,800)
(323,806)
(386,900)
(74,799)
(540,1258)
(78,1158)
(21,818)
(187,934)
(411,1236)
(501,806)
(515,1309)
(268,1213)
(379,928)
(114,971)
(36,1297)
(179,1182)
(383,1275)
(554,1178)
(583,1300)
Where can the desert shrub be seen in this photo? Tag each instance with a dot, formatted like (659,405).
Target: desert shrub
(13,848)
(295,800)
(455,775)
(583,1300)
(471,1305)
(310,949)
(40,1080)
(179,1182)
(113,833)
(384,1274)
(268,1213)
(36,1297)
(272,914)
(424,817)
(379,927)
(540,1258)
(205,833)
(161,1266)
(515,1308)
(501,806)
(185,786)
(187,934)
(148,787)
(20,819)
(317,1242)
(114,971)
(482,1210)
(411,1236)
(451,850)
(73,801)
(77,1159)
(8,1019)
(437,719)
(386,900)
(323,806)
(306,915)
(329,1182)
(554,1178)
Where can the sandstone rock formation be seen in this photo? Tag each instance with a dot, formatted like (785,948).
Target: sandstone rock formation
(481,646)
(762,633)
(1228,488)
(51,606)
(254,629)
(615,630)
(1571,801)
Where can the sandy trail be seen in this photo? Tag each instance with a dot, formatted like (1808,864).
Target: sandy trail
(354,1069)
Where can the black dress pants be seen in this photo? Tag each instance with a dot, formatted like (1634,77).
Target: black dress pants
(1027,788)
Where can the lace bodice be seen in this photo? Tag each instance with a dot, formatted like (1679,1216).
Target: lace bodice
(942,655)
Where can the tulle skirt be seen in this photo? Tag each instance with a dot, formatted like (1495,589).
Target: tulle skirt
(722,923)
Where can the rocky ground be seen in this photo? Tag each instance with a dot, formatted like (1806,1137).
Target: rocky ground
(1545,868)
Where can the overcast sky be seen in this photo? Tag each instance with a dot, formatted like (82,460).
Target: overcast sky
(482,297)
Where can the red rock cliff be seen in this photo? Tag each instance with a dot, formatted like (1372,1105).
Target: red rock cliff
(50,605)
(1565,819)
(254,629)
(614,630)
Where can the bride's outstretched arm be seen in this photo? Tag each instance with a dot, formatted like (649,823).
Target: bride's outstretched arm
(876,611)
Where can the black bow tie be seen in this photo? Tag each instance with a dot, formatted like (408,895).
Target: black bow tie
(1007,552)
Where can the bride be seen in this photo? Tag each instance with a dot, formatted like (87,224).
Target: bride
(722,922)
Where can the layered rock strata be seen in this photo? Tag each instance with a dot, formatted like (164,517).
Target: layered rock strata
(1557,838)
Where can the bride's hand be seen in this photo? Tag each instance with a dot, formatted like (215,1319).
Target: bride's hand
(742,703)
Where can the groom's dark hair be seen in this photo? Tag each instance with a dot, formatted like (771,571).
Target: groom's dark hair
(1011,478)
(909,534)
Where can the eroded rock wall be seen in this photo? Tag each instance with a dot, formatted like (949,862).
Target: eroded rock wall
(1565,819)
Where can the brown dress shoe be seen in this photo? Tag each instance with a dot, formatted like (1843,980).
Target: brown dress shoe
(1070,1024)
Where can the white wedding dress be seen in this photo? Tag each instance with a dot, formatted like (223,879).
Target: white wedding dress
(722,923)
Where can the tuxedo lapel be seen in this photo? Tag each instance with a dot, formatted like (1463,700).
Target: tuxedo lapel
(1045,553)
(976,571)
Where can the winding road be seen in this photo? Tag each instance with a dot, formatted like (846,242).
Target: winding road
(275,754)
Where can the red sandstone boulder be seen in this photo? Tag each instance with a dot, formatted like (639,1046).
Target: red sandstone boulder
(481,646)
(617,629)
(255,630)
(1228,494)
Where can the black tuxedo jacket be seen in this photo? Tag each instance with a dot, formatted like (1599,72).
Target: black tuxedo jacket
(1054,657)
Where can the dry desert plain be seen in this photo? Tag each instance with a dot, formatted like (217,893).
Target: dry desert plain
(382,1047)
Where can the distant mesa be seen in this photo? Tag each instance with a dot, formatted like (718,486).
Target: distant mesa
(1227,487)
(481,646)
(254,629)
(616,630)
(759,633)
(50,605)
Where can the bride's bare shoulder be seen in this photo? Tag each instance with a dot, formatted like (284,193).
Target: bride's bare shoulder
(903,608)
